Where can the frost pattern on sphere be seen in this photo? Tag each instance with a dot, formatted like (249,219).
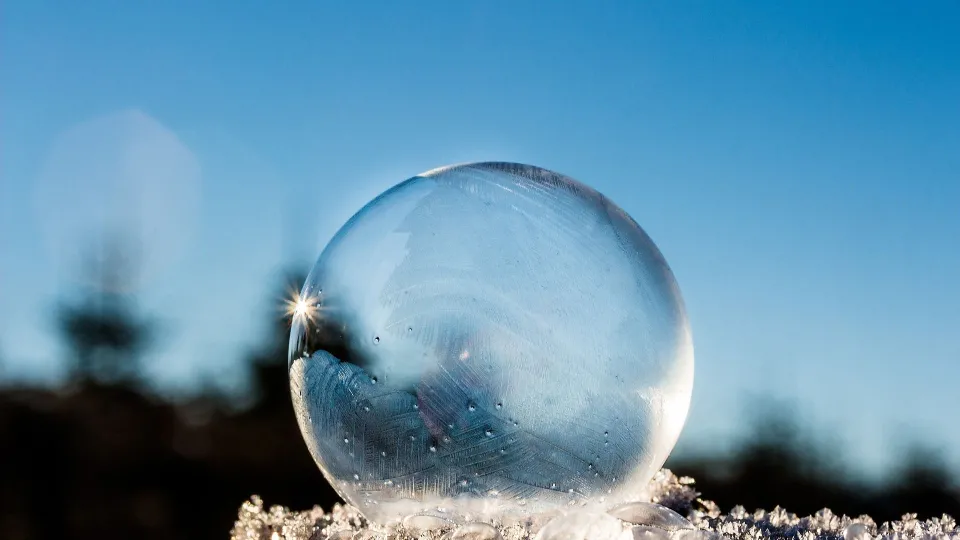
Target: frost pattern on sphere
(490,337)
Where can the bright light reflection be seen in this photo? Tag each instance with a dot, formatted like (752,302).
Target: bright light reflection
(303,308)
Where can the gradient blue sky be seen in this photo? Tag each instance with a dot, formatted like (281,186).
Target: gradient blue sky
(798,163)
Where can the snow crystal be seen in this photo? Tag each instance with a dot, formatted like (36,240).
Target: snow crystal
(635,521)
(644,513)
(476,531)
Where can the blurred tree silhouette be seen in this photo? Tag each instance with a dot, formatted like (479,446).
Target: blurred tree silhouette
(108,460)
(103,330)
(778,459)
(779,462)
(923,479)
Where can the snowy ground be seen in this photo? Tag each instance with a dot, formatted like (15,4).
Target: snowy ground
(637,521)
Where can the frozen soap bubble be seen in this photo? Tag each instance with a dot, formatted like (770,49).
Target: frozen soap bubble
(489,339)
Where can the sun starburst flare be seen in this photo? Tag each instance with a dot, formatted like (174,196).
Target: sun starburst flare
(302,308)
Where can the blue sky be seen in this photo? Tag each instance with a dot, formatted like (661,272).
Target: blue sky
(798,163)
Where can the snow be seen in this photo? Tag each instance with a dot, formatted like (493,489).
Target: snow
(636,521)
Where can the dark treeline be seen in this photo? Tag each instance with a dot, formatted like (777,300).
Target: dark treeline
(778,461)
(103,457)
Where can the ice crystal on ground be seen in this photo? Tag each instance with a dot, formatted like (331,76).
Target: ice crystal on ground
(256,522)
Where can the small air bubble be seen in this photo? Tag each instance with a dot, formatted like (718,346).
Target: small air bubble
(373,380)
(488,432)
(433,448)
(499,406)
(412,438)
(416,407)
(388,483)
(356,477)
(376,340)
(471,407)
(464,483)
(606,433)
(384,454)
(346,441)
(409,329)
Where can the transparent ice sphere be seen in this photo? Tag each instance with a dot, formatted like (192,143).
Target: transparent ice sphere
(490,338)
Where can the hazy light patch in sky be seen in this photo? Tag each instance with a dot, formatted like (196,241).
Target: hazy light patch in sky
(215,309)
(123,174)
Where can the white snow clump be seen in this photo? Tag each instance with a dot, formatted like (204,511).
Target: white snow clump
(660,518)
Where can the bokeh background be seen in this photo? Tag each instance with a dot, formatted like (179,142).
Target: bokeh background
(170,170)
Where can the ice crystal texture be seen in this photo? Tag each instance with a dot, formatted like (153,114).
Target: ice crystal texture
(703,521)
(488,339)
